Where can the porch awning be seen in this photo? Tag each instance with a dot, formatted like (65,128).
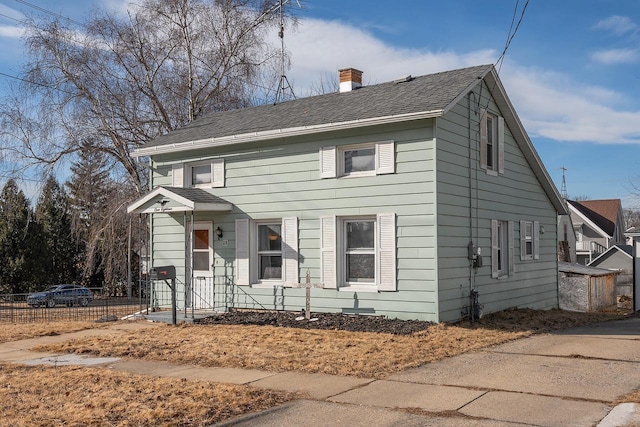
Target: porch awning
(175,199)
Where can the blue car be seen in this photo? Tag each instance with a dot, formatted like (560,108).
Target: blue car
(61,294)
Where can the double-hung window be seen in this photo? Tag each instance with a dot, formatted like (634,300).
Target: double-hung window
(208,173)
(491,143)
(357,160)
(267,252)
(358,253)
(529,240)
(502,248)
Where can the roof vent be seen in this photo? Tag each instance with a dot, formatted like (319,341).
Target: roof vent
(406,78)
(350,79)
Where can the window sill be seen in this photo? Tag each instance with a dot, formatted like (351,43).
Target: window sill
(267,285)
(361,288)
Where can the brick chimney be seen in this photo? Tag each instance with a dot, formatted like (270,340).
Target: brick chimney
(350,79)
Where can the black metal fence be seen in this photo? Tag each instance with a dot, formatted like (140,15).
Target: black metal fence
(14,308)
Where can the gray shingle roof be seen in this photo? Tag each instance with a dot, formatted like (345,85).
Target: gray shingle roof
(197,195)
(422,94)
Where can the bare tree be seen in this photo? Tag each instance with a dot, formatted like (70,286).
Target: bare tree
(117,82)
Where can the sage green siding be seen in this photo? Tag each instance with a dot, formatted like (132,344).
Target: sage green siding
(281,178)
(468,199)
(441,198)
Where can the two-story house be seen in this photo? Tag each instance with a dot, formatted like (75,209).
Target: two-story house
(598,224)
(409,199)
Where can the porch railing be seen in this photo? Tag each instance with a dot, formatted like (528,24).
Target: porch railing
(212,294)
(590,246)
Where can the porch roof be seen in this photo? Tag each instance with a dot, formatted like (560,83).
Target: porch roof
(175,199)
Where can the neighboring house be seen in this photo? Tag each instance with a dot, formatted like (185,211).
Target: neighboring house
(618,258)
(599,224)
(396,199)
(632,235)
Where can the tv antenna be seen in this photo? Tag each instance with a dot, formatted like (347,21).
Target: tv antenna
(283,84)
(563,190)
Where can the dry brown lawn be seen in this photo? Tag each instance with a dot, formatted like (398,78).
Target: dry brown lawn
(58,396)
(20,331)
(74,396)
(363,354)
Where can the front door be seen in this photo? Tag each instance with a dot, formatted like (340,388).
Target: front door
(202,286)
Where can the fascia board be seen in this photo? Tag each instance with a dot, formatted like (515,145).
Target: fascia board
(282,133)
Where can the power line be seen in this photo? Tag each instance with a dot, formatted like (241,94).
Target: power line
(47,11)
(511,35)
(36,83)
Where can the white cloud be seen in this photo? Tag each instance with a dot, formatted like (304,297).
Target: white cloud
(616,24)
(617,56)
(551,105)
(323,47)
(11,31)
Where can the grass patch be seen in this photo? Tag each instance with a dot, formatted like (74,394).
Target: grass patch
(20,331)
(45,396)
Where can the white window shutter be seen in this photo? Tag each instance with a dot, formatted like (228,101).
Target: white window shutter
(328,251)
(510,237)
(177,175)
(290,251)
(327,162)
(217,173)
(523,240)
(385,157)
(483,139)
(386,252)
(242,251)
(536,240)
(494,248)
(501,145)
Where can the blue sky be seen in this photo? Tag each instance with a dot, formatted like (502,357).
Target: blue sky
(572,70)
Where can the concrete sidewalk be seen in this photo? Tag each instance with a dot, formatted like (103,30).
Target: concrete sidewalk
(567,378)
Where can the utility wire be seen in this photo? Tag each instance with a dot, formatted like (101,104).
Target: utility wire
(47,11)
(511,35)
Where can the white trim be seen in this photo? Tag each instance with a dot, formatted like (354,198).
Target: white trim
(386,276)
(177,175)
(242,252)
(283,133)
(328,266)
(328,162)
(290,253)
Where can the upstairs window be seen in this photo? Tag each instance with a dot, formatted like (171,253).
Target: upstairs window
(209,173)
(357,160)
(491,143)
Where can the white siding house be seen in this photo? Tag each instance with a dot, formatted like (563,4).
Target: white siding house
(397,199)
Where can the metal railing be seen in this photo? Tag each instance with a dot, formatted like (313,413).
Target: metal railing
(590,246)
(212,294)
(14,308)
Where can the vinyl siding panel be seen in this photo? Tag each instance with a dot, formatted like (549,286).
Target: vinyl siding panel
(281,178)
(468,199)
